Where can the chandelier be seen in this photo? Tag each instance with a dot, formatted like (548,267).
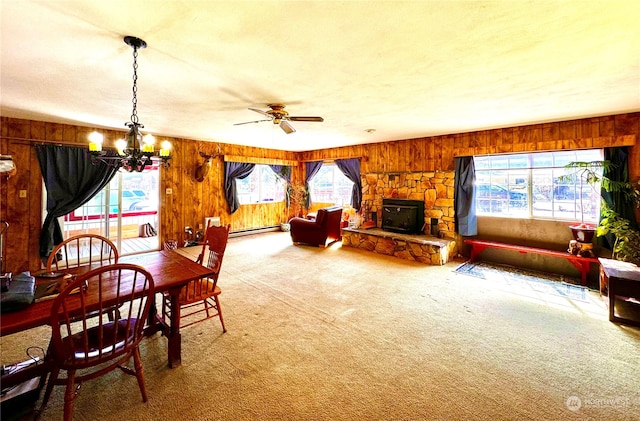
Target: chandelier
(134,152)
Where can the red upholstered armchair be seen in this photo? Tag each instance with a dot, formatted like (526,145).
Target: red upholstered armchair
(325,229)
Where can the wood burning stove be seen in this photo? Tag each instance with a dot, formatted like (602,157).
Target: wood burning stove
(403,215)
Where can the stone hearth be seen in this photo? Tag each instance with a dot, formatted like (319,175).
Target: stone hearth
(420,248)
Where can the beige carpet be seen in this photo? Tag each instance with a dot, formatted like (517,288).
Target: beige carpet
(343,334)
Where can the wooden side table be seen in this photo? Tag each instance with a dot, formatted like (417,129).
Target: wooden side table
(620,282)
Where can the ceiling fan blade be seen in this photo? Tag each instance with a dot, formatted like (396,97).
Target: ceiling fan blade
(250,122)
(260,111)
(318,119)
(288,128)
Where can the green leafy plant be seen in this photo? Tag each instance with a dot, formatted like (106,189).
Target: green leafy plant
(627,239)
(589,172)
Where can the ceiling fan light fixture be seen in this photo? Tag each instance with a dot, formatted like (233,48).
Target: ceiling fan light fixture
(278,115)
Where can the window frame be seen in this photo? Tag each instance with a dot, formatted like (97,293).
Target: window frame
(253,185)
(531,184)
(344,184)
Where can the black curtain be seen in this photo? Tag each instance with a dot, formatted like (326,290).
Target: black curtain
(351,169)
(312,169)
(464,204)
(233,171)
(621,203)
(71,180)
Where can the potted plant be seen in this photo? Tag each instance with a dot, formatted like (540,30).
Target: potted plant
(626,245)
(295,195)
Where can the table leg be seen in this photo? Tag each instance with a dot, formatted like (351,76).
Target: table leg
(612,300)
(174,336)
(151,327)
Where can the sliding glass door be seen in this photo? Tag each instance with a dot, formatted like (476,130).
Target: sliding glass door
(125,211)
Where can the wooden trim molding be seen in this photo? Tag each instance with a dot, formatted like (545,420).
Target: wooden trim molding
(261,161)
(556,145)
(361,158)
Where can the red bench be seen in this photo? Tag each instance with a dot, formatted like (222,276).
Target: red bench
(580,263)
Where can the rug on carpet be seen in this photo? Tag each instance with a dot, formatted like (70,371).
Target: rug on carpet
(537,281)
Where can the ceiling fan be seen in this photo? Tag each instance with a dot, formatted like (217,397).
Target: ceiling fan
(278,115)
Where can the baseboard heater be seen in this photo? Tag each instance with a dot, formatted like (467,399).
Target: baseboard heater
(251,231)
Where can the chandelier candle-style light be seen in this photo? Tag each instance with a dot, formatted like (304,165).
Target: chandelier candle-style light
(135,152)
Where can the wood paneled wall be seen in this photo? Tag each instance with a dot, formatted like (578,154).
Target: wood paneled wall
(191,201)
(188,205)
(437,152)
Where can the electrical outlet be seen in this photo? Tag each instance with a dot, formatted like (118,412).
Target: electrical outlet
(23,194)
(169,190)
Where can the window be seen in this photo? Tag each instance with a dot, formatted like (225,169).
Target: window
(262,185)
(537,185)
(330,185)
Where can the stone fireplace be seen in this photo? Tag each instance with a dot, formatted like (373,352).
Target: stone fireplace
(435,189)
(395,199)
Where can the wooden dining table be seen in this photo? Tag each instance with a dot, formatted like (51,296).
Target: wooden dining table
(170,271)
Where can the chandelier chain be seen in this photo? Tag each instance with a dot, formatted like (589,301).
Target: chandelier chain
(134,101)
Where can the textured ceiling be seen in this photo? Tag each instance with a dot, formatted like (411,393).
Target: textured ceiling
(406,69)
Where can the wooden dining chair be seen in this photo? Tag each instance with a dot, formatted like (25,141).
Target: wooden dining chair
(83,249)
(96,345)
(202,295)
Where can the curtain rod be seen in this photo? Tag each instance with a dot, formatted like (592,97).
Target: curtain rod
(23,141)
(35,142)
